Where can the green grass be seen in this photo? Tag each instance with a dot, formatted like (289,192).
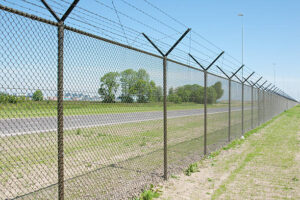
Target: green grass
(131,146)
(275,150)
(49,108)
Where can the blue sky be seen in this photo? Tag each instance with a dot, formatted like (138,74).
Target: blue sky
(271,33)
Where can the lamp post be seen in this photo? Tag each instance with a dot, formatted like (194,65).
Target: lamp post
(274,65)
(242,16)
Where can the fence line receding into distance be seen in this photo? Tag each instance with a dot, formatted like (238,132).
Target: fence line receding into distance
(83,116)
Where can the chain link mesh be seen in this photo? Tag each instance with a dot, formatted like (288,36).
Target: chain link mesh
(113,114)
(217,118)
(185,116)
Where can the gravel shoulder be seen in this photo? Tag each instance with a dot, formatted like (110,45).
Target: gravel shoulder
(266,165)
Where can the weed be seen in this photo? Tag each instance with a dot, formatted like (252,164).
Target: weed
(214,154)
(191,169)
(209,180)
(20,175)
(143,144)
(233,144)
(149,194)
(89,165)
(101,134)
(295,179)
(287,188)
(174,176)
(78,131)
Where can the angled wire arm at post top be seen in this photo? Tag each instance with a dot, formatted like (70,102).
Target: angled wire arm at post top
(152,43)
(249,77)
(262,84)
(50,10)
(177,42)
(249,82)
(62,19)
(254,83)
(267,86)
(211,64)
(197,62)
(237,77)
(223,72)
(174,45)
(233,74)
(72,6)
(271,88)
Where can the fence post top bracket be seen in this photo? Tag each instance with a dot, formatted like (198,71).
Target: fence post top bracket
(66,14)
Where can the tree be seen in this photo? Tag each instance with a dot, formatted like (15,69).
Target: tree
(37,95)
(109,87)
(218,87)
(171,91)
(158,94)
(127,79)
(195,93)
(141,89)
(174,98)
(3,97)
(143,75)
(211,95)
(152,92)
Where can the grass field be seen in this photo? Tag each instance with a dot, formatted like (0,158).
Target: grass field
(49,108)
(103,158)
(266,165)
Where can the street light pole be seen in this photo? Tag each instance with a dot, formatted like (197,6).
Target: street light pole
(274,64)
(242,15)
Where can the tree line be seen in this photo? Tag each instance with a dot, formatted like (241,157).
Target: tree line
(195,93)
(13,99)
(136,86)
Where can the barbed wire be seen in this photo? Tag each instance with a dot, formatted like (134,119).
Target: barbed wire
(115,30)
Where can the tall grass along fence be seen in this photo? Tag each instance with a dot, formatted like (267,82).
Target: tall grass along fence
(84,117)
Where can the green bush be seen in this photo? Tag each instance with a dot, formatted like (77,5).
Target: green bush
(37,95)
(12,99)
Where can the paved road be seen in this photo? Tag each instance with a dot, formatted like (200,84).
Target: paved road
(46,124)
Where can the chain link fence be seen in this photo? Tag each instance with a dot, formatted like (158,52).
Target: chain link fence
(103,135)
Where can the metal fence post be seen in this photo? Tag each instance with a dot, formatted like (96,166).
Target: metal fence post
(229,109)
(259,103)
(165,95)
(205,111)
(60,111)
(165,117)
(60,94)
(263,117)
(229,97)
(205,69)
(258,107)
(252,107)
(242,108)
(243,80)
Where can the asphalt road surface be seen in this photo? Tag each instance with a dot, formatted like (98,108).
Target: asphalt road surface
(45,124)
